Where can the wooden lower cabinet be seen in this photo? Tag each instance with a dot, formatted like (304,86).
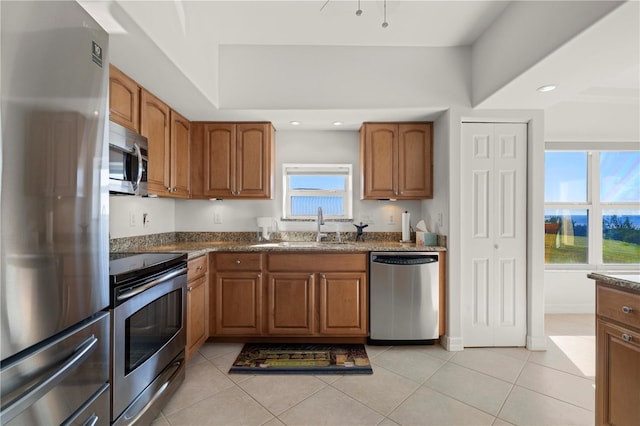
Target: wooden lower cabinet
(343,303)
(321,294)
(197,304)
(302,295)
(238,309)
(291,303)
(617,356)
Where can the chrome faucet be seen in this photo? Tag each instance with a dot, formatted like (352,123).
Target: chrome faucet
(320,234)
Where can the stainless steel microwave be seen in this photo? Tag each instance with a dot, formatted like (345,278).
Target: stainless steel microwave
(128,159)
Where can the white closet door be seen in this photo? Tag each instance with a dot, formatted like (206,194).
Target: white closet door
(494,173)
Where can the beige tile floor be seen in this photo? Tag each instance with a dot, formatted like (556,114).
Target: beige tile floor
(411,385)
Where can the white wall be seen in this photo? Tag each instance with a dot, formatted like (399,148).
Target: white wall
(160,211)
(569,292)
(239,215)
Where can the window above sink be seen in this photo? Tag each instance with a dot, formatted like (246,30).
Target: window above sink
(309,186)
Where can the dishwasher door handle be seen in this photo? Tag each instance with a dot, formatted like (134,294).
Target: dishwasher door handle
(404,260)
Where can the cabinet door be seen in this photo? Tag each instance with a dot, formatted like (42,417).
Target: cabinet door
(180,156)
(343,303)
(415,161)
(219,154)
(197,312)
(124,100)
(254,169)
(154,124)
(617,375)
(291,303)
(238,304)
(378,157)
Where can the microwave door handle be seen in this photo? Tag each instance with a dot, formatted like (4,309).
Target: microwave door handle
(139,154)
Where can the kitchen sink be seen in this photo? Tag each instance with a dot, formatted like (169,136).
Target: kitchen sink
(301,244)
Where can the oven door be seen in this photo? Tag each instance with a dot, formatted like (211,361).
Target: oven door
(148,334)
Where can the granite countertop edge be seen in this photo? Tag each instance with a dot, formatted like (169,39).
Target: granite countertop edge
(196,249)
(624,281)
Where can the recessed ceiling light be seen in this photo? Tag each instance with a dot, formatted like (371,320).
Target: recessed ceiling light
(294,123)
(546,88)
(337,123)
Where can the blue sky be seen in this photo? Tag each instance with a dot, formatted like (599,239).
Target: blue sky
(566,176)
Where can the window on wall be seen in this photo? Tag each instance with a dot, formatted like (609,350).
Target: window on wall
(309,186)
(592,208)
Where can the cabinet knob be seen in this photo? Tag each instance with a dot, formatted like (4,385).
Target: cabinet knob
(237,261)
(627,309)
(189,289)
(627,337)
(259,275)
(323,276)
(199,268)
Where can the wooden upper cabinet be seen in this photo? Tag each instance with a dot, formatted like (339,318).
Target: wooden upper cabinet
(155,122)
(254,160)
(396,160)
(232,160)
(180,167)
(124,99)
(169,136)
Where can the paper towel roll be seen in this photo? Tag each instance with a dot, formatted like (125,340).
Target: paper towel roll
(406,220)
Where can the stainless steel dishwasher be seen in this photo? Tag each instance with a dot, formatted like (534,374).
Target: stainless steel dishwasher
(403,297)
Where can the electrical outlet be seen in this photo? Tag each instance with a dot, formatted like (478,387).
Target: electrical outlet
(392,220)
(146,220)
(132,219)
(440,219)
(217,218)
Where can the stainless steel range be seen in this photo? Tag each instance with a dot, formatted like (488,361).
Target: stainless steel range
(148,333)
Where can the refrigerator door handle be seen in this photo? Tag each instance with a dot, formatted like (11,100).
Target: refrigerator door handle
(24,401)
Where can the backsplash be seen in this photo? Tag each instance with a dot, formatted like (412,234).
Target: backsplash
(143,241)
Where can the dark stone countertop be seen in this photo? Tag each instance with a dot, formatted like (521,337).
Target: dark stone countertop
(195,249)
(623,281)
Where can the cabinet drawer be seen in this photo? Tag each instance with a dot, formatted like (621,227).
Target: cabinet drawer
(618,305)
(323,262)
(238,261)
(196,268)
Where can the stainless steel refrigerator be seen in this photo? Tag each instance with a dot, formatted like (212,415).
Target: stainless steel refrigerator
(54,333)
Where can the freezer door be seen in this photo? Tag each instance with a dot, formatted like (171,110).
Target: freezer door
(50,384)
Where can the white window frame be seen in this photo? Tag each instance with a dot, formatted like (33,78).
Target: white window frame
(593,205)
(289,169)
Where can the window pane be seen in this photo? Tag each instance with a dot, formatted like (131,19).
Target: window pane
(308,206)
(619,177)
(621,236)
(566,236)
(307,182)
(565,178)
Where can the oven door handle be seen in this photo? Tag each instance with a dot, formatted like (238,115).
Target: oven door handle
(172,371)
(131,293)
(33,394)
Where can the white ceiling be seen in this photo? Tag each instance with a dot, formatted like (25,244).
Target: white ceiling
(191,34)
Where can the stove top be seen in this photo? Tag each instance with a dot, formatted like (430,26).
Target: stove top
(125,266)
